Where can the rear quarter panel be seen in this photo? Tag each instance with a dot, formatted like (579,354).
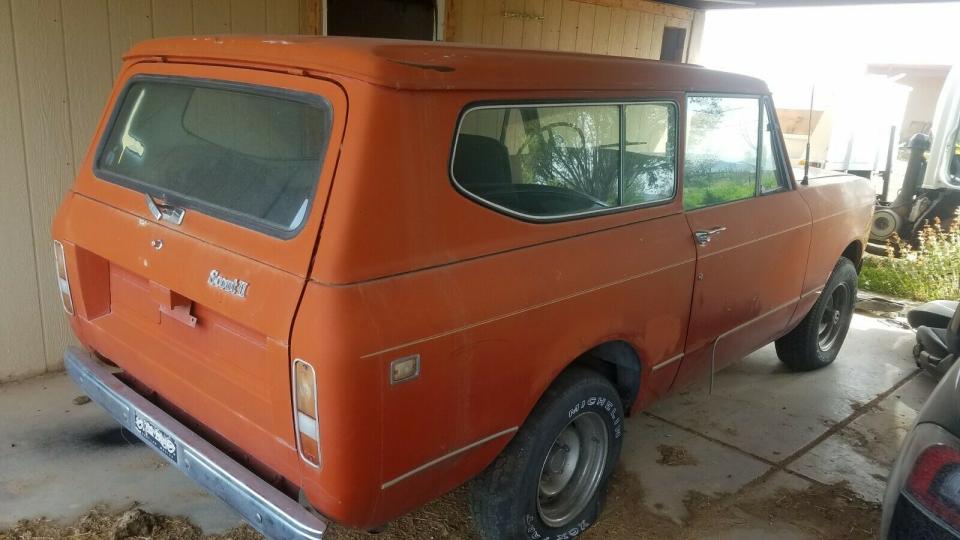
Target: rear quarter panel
(496,307)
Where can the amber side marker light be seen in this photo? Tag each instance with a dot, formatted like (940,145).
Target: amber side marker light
(62,280)
(305,403)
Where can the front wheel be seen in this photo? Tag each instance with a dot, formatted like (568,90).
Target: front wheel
(816,341)
(549,480)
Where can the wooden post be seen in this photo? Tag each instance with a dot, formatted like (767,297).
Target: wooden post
(449,21)
(311,17)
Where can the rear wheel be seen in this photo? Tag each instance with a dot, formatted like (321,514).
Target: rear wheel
(549,480)
(816,341)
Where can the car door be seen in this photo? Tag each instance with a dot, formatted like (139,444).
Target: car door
(751,228)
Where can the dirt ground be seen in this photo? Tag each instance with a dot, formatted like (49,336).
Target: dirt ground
(829,512)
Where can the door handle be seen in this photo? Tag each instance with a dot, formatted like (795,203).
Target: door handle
(703,237)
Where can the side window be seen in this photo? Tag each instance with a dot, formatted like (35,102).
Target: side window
(720,165)
(560,160)
(771,176)
(650,149)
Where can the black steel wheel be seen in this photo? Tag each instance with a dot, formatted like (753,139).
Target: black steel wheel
(816,341)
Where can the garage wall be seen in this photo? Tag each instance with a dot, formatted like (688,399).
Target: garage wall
(58,60)
(618,27)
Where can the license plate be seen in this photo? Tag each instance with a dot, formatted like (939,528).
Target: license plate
(157,437)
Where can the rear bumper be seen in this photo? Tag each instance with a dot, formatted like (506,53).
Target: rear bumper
(267,509)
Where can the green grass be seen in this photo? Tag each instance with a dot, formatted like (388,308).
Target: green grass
(928,272)
(697,194)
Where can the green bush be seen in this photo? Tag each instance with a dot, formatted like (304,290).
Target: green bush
(931,271)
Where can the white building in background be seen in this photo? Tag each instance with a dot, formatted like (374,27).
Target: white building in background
(925,83)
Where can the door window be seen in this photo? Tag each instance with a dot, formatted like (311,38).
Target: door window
(720,165)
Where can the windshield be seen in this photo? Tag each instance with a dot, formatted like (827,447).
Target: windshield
(246,154)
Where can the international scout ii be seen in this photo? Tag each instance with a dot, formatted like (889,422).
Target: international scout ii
(333,279)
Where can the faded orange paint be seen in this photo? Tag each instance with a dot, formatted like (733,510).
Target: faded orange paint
(404,264)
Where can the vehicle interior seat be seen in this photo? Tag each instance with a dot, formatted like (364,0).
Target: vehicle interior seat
(935,314)
(940,342)
(481,165)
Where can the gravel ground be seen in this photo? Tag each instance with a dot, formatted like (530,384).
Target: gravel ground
(830,512)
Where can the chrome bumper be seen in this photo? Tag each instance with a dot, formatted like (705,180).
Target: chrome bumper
(267,509)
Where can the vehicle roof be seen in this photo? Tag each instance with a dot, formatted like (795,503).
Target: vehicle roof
(443,65)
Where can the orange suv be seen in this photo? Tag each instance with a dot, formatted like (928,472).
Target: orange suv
(333,279)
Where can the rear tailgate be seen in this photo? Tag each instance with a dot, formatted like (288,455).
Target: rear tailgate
(200,311)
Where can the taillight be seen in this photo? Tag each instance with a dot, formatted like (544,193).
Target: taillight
(62,280)
(305,405)
(934,482)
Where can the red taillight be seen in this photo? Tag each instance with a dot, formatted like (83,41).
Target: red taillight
(935,482)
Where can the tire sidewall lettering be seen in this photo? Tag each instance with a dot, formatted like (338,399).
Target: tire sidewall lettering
(570,532)
(605,407)
(600,405)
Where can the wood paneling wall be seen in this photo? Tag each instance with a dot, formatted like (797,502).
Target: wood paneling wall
(58,61)
(618,27)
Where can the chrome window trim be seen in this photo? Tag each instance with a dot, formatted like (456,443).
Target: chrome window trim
(570,103)
(779,153)
(296,411)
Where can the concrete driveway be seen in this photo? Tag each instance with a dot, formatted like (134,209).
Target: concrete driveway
(769,454)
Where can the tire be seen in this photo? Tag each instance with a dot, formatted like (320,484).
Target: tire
(511,498)
(816,341)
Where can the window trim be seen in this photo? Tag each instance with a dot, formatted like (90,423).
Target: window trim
(779,150)
(191,203)
(620,104)
(762,99)
(766,110)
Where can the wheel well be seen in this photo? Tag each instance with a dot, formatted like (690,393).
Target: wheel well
(854,252)
(619,363)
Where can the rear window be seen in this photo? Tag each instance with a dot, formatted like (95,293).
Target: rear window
(246,154)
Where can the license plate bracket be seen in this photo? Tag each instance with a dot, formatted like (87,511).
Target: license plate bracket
(149,431)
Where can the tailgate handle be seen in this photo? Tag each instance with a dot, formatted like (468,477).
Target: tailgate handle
(165,212)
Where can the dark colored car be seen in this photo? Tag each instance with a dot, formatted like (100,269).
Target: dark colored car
(923,491)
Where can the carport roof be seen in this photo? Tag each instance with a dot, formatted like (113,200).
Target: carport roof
(742,4)
(443,66)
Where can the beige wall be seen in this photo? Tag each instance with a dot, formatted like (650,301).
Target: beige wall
(58,61)
(619,27)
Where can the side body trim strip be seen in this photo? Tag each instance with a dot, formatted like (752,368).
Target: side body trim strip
(445,457)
